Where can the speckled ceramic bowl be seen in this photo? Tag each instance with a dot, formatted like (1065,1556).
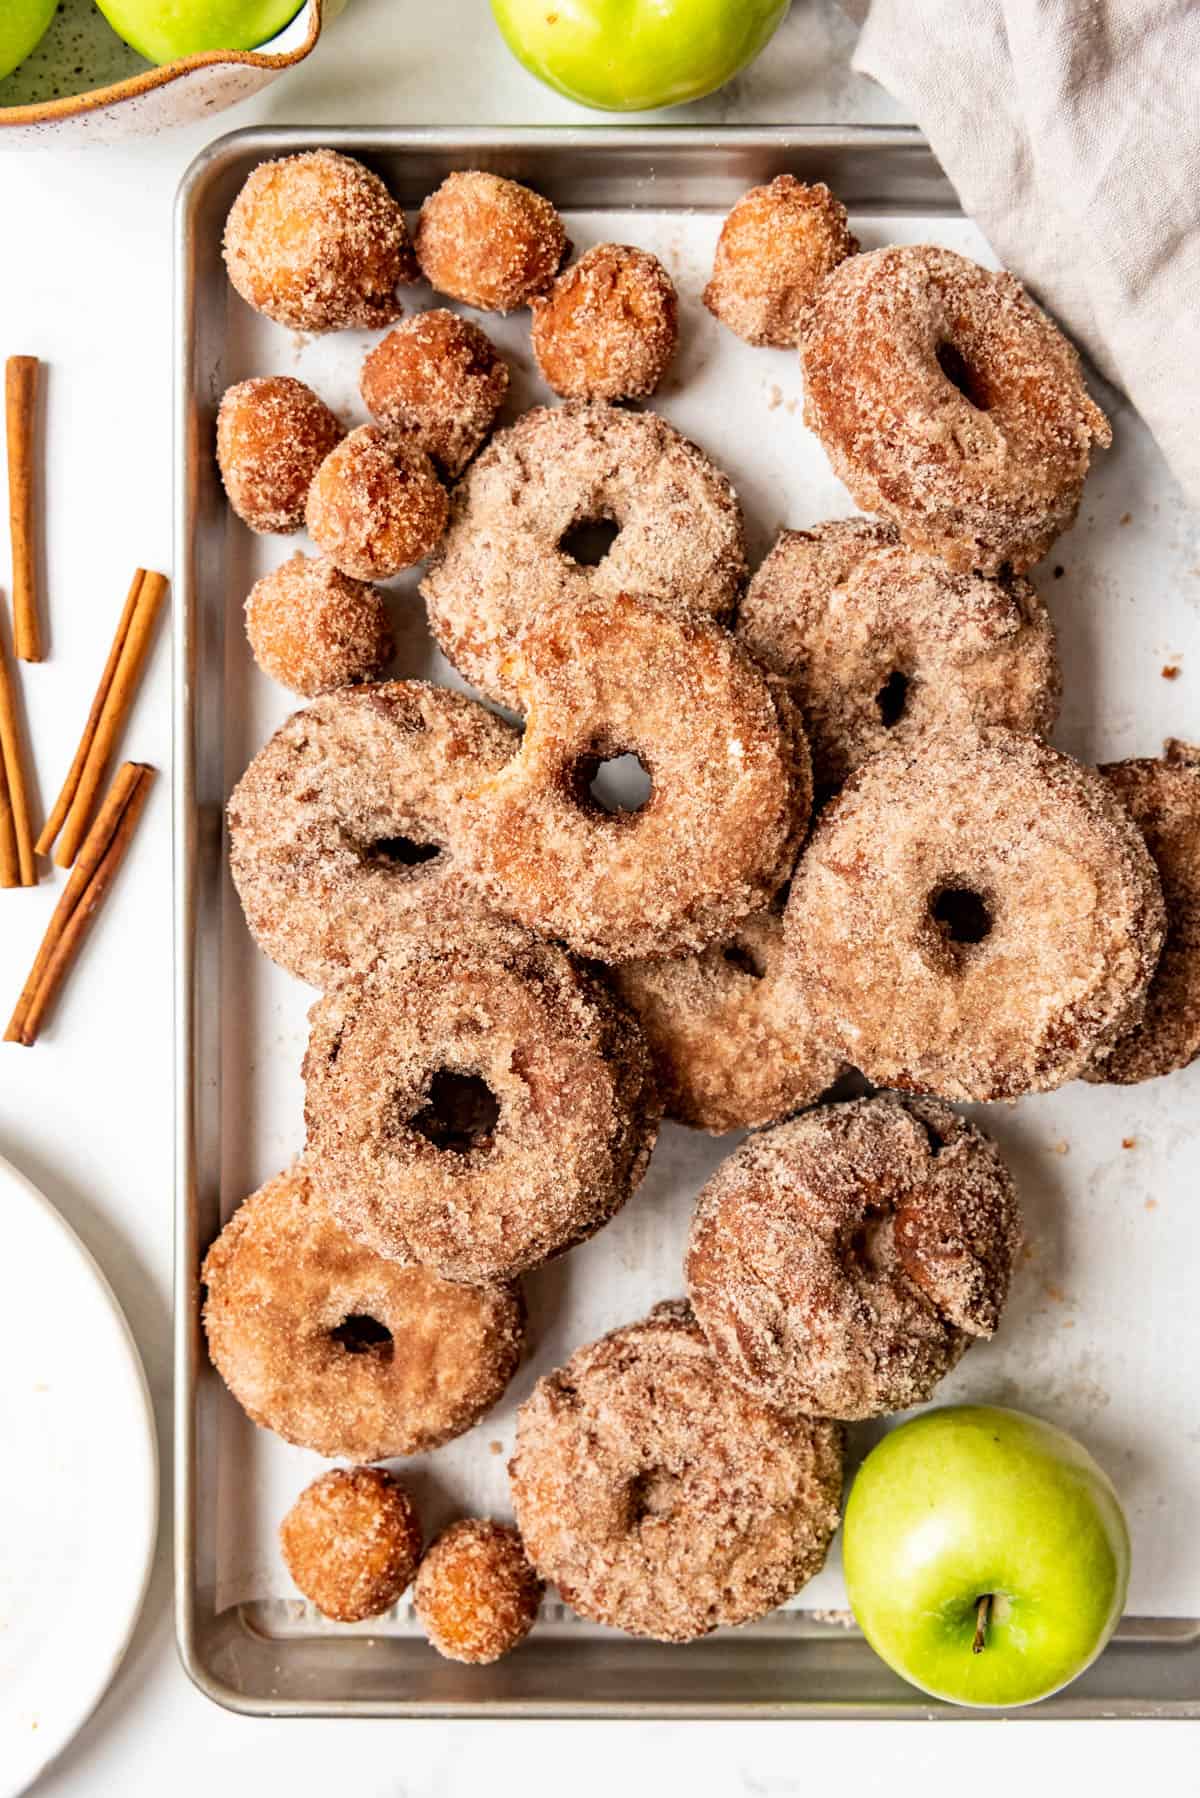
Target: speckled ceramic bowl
(82,84)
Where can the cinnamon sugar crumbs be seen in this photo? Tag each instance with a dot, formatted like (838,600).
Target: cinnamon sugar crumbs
(1171,671)
(1129,1142)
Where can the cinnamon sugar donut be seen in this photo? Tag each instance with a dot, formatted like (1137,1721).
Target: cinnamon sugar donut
(659,1497)
(476,1101)
(313,629)
(339,1350)
(775,249)
(375,505)
(730,787)
(950,404)
(978,918)
(340,829)
(516,515)
(608,328)
(1163,798)
(487,241)
(317,243)
(439,381)
(842,1263)
(732,1042)
(273,433)
(477,1596)
(880,643)
(351,1542)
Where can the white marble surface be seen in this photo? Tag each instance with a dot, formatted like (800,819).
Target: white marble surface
(88,1113)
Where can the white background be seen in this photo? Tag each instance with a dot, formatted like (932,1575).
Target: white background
(85,284)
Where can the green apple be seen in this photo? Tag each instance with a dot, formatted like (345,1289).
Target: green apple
(22,26)
(626,55)
(161,30)
(986,1555)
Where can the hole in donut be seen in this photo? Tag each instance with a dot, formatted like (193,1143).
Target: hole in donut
(589,540)
(652,1493)
(612,784)
(363,1335)
(460,1114)
(744,960)
(892,698)
(961,375)
(870,1246)
(961,915)
(401,852)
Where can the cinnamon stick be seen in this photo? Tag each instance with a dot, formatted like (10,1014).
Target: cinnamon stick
(113,713)
(11,756)
(70,787)
(20,406)
(10,867)
(100,856)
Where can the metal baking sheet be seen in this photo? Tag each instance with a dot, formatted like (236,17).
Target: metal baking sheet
(1108,1224)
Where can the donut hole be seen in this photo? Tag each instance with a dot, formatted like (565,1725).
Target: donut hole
(736,955)
(588,541)
(891,701)
(652,1493)
(611,782)
(961,919)
(460,1113)
(401,852)
(361,1334)
(962,376)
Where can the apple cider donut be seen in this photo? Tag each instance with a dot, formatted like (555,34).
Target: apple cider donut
(340,829)
(978,917)
(352,1542)
(488,241)
(732,1042)
(842,1263)
(660,1498)
(273,433)
(776,247)
(950,404)
(730,787)
(880,643)
(517,526)
(341,1351)
(1163,798)
(476,1101)
(609,326)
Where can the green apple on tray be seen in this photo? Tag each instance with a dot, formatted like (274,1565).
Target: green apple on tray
(986,1555)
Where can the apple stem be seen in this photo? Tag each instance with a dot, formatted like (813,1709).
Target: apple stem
(983,1616)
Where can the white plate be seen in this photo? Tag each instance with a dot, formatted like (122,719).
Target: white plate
(78,1484)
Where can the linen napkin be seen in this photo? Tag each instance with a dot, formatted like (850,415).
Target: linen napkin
(1071,130)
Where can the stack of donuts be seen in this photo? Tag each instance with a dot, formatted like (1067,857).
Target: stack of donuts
(858,883)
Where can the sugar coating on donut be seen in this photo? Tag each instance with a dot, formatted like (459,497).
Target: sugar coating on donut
(335,1348)
(317,243)
(515,517)
(1163,798)
(950,404)
(314,629)
(477,1596)
(608,327)
(273,433)
(978,917)
(662,1499)
(477,1101)
(776,247)
(733,1045)
(340,829)
(439,381)
(880,643)
(375,505)
(488,241)
(730,783)
(842,1263)
(351,1542)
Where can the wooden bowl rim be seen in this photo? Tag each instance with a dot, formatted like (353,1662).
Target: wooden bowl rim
(71,106)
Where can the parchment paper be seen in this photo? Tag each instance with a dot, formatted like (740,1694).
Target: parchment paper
(1102,1333)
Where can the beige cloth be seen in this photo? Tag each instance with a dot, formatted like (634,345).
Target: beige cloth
(1071,131)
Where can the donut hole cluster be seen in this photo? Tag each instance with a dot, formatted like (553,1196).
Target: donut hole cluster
(460,1114)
